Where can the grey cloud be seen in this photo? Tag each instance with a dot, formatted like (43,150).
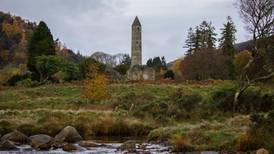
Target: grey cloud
(105,25)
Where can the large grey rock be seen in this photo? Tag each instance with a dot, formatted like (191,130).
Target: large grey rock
(7,145)
(68,134)
(16,137)
(41,142)
(70,147)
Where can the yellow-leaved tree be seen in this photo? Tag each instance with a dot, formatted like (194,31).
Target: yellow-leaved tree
(96,85)
(177,68)
(241,59)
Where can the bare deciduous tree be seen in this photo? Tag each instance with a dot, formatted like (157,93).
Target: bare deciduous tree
(258,16)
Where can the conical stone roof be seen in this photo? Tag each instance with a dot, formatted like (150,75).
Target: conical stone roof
(136,22)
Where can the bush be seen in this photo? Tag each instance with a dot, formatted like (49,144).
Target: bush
(17,78)
(28,83)
(181,143)
(169,75)
(222,98)
(262,129)
(247,142)
(7,73)
(260,135)
(87,64)
(49,67)
(96,86)
(185,99)
(60,77)
(253,100)
(184,104)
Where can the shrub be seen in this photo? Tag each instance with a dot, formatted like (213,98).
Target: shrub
(28,83)
(6,127)
(256,100)
(60,77)
(185,99)
(48,66)
(262,129)
(241,59)
(160,134)
(88,64)
(247,142)
(169,75)
(96,86)
(7,73)
(222,98)
(181,143)
(253,100)
(17,78)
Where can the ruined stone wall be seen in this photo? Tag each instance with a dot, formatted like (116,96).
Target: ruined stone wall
(141,73)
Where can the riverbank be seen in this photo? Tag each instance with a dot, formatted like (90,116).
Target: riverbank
(186,116)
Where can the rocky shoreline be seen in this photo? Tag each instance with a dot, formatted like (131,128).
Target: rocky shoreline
(69,140)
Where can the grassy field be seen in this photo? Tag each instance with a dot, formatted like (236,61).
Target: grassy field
(174,113)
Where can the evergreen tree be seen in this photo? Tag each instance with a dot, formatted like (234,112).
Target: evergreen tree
(164,65)
(203,37)
(197,39)
(227,40)
(41,43)
(157,63)
(208,36)
(149,62)
(190,41)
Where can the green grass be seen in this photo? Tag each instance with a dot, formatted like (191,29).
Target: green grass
(133,110)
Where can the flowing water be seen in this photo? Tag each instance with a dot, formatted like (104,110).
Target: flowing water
(108,148)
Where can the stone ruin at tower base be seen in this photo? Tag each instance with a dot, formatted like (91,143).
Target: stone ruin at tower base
(138,72)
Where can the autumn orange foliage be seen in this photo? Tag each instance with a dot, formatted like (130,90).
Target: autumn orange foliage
(176,68)
(96,85)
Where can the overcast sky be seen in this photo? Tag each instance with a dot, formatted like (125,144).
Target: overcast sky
(105,25)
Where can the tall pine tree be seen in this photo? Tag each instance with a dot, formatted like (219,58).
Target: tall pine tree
(208,36)
(190,42)
(227,42)
(228,38)
(203,36)
(41,43)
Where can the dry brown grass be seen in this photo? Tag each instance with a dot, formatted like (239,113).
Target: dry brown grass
(180,143)
(247,142)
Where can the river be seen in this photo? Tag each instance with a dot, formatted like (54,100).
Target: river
(107,148)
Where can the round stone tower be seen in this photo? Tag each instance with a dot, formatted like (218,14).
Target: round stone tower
(136,70)
(136,43)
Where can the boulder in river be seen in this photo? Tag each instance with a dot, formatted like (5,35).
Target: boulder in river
(7,145)
(41,142)
(87,144)
(68,134)
(70,147)
(129,146)
(262,151)
(16,137)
